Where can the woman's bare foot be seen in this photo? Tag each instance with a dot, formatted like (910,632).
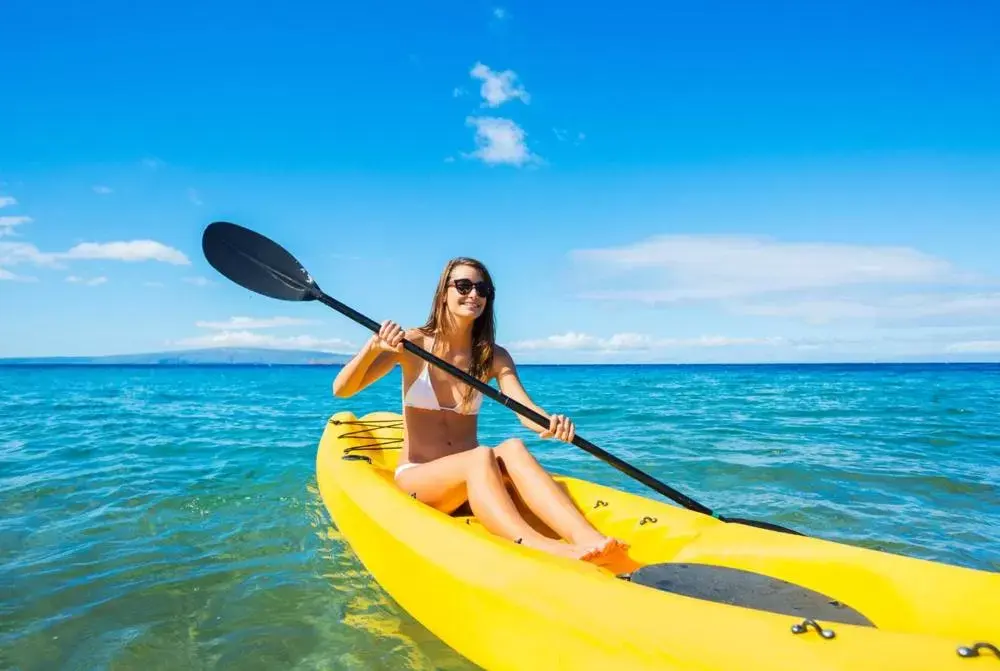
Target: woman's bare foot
(594,552)
(606,547)
(554,547)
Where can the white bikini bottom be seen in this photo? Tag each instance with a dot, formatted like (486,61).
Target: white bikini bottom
(403,467)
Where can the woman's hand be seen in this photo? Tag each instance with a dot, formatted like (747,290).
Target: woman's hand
(370,363)
(389,337)
(561,428)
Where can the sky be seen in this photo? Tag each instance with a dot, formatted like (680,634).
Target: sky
(646,181)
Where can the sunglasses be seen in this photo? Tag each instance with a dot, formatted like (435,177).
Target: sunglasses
(464,286)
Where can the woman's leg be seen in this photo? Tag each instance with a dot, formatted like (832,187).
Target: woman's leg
(493,507)
(546,499)
(443,483)
(439,483)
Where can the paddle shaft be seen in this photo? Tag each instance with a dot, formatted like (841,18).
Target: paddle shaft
(519,408)
(261,265)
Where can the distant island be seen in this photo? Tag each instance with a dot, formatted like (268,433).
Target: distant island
(264,356)
(239,356)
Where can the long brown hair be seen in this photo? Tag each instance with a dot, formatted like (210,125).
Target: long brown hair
(483,329)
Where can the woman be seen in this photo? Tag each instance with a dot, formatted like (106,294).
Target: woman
(442,463)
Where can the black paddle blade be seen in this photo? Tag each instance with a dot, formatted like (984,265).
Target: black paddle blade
(256,263)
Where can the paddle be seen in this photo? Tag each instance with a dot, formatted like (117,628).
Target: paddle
(261,265)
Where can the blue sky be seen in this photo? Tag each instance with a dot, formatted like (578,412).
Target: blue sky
(646,181)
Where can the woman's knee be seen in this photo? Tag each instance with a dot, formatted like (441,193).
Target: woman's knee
(481,457)
(512,448)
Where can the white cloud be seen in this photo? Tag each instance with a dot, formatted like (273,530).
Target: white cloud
(976,347)
(130,251)
(632,342)
(194,196)
(890,308)
(102,190)
(92,282)
(500,13)
(254,323)
(6,275)
(570,340)
(151,162)
(500,141)
(6,201)
(920,344)
(692,267)
(498,87)
(9,223)
(10,276)
(15,253)
(197,281)
(251,339)
(238,332)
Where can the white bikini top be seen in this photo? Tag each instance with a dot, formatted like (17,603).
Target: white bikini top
(421,395)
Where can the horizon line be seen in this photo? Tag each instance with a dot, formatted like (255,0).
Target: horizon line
(28,362)
(271,356)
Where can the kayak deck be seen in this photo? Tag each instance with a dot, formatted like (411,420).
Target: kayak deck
(687,607)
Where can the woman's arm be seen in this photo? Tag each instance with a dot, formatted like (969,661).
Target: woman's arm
(376,358)
(510,384)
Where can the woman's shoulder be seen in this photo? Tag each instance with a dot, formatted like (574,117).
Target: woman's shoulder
(499,351)
(501,358)
(415,333)
(419,335)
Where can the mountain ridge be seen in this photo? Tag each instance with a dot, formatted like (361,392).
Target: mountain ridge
(209,355)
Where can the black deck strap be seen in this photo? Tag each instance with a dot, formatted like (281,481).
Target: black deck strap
(738,587)
(973,651)
(366,426)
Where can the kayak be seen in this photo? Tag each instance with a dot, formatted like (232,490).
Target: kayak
(693,592)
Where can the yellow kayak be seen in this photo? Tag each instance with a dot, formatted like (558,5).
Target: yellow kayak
(694,593)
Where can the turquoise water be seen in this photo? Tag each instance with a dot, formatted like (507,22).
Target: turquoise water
(168,517)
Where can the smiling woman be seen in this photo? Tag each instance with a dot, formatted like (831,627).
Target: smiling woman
(442,463)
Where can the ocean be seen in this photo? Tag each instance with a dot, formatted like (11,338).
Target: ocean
(168,517)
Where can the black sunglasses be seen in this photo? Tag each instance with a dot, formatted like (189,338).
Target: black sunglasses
(464,286)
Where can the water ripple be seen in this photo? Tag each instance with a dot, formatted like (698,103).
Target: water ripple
(169,517)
